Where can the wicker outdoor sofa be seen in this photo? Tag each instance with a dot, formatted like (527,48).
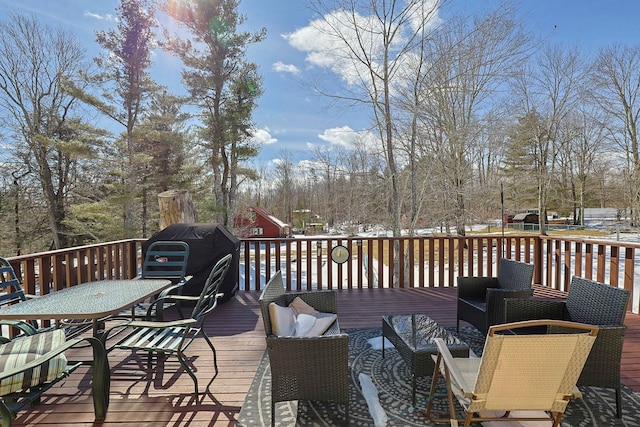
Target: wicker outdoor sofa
(306,367)
(592,303)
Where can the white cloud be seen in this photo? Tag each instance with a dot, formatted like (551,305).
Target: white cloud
(263,137)
(346,137)
(326,40)
(107,17)
(281,67)
(343,136)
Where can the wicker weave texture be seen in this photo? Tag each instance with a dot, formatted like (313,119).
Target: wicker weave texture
(481,299)
(307,368)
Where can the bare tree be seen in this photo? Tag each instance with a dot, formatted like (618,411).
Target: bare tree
(370,42)
(546,94)
(36,63)
(472,58)
(616,81)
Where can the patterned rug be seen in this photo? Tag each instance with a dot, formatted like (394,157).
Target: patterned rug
(392,378)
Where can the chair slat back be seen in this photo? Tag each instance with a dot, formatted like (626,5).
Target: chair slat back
(11,291)
(166,260)
(209,296)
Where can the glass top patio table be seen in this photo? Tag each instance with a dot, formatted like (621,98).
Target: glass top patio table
(91,300)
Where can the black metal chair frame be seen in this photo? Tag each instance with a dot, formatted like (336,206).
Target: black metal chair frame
(174,337)
(10,404)
(163,260)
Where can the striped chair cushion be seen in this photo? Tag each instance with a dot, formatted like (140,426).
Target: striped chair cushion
(24,350)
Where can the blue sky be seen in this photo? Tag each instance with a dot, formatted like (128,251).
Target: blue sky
(289,117)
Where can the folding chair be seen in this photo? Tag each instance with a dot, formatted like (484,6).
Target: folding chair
(529,373)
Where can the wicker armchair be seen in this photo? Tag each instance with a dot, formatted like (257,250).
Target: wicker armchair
(481,299)
(306,368)
(592,303)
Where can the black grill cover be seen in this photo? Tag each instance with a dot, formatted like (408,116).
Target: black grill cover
(207,244)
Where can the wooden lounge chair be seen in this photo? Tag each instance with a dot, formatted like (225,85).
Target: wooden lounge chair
(306,367)
(525,377)
(174,337)
(481,299)
(32,363)
(592,303)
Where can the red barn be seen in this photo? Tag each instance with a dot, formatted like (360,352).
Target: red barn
(257,222)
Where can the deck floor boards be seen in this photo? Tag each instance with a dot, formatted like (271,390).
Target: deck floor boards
(165,399)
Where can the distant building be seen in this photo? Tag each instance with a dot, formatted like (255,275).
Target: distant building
(527,218)
(258,222)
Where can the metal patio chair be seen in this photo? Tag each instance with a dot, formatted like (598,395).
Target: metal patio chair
(162,260)
(173,337)
(12,292)
(33,363)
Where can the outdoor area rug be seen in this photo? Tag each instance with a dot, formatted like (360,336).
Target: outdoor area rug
(392,378)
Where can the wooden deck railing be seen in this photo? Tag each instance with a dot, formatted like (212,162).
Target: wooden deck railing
(372,263)
(400,262)
(46,272)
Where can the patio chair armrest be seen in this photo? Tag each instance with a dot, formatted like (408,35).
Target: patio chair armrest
(520,309)
(495,302)
(175,287)
(25,327)
(475,287)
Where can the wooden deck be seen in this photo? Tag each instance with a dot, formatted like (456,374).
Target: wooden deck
(237,332)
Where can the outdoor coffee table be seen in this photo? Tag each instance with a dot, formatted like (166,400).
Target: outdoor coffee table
(412,335)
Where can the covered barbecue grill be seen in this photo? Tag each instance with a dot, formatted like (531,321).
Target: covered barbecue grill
(207,244)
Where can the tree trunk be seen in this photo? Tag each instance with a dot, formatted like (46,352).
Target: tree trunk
(176,206)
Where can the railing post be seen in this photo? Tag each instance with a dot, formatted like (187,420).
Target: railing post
(537,260)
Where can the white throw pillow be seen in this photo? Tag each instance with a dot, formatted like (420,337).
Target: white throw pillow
(323,322)
(283,320)
(304,324)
